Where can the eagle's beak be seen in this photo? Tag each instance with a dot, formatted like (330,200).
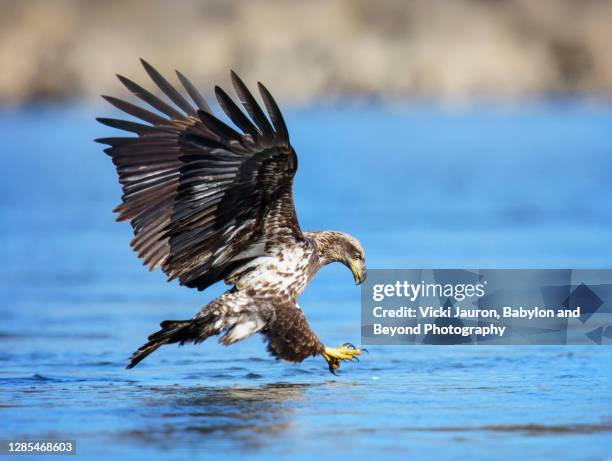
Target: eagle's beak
(359,271)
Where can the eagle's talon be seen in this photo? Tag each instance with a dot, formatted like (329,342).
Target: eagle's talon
(335,355)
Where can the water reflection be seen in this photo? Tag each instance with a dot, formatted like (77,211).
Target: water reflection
(248,416)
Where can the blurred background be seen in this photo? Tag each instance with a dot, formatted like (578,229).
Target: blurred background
(456,134)
(457,50)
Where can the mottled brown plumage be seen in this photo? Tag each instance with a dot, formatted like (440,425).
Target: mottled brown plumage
(289,336)
(210,202)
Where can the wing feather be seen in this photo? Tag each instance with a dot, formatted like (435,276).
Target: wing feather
(216,126)
(136,111)
(149,98)
(275,114)
(194,94)
(251,106)
(235,114)
(123,125)
(167,89)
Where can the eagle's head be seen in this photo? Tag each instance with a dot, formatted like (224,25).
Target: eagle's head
(353,257)
(344,248)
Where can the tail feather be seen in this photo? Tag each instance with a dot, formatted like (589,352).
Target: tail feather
(174,331)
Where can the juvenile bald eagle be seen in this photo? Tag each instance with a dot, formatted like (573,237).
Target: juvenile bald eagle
(208,202)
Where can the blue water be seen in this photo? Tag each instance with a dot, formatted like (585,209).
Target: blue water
(421,187)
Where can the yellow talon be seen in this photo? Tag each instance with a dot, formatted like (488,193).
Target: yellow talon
(334,355)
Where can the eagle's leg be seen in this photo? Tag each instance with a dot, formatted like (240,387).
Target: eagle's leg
(290,338)
(335,355)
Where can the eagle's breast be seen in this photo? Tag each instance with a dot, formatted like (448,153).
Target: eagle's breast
(285,272)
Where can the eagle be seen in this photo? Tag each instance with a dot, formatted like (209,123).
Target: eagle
(208,201)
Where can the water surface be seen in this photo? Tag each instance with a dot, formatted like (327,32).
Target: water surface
(421,187)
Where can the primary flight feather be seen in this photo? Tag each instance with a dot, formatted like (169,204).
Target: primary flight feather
(210,202)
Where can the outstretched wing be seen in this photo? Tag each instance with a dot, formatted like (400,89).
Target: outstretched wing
(202,197)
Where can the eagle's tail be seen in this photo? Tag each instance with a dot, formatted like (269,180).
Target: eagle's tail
(174,331)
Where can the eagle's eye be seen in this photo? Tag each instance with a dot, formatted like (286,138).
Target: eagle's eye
(356,255)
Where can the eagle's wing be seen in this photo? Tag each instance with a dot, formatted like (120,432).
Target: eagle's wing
(203,198)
